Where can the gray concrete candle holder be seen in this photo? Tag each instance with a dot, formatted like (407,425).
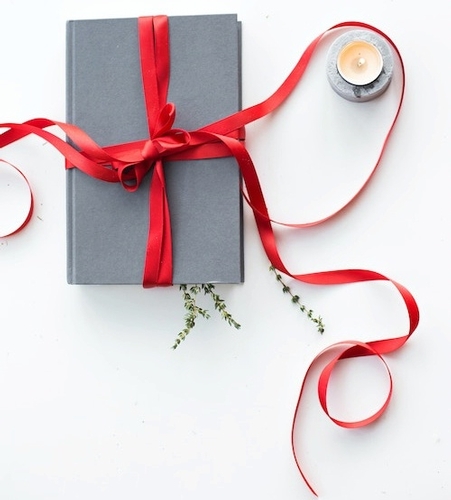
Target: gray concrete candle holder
(360,93)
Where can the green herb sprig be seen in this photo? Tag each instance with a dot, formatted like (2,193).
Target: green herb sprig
(194,311)
(318,321)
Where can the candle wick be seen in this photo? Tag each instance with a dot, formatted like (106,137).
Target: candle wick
(361,62)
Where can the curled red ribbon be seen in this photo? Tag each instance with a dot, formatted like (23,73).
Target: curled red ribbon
(129,163)
(12,227)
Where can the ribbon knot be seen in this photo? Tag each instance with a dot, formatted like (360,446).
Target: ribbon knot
(165,141)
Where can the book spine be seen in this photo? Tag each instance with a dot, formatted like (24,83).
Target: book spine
(69,185)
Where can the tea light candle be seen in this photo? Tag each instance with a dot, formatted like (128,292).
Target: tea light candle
(359,62)
(360,65)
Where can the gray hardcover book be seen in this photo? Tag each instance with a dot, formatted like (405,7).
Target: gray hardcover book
(106,225)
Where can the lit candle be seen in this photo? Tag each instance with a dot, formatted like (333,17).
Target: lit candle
(359,62)
(360,65)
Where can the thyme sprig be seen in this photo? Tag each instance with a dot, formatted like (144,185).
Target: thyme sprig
(297,300)
(220,306)
(194,311)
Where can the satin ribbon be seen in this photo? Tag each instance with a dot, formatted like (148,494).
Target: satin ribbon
(129,163)
(27,208)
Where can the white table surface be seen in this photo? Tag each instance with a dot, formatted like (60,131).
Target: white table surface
(95,405)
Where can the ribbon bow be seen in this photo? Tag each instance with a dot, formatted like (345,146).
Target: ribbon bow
(165,141)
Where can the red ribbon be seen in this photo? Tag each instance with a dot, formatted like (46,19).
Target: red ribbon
(29,204)
(129,163)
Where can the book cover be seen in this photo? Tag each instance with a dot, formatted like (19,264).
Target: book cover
(106,225)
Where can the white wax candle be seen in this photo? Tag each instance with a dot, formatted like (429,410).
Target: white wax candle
(359,62)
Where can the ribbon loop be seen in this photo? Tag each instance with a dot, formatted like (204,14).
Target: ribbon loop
(165,119)
(131,176)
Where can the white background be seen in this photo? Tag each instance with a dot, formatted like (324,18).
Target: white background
(95,405)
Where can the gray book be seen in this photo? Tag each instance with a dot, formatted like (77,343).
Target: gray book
(106,225)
